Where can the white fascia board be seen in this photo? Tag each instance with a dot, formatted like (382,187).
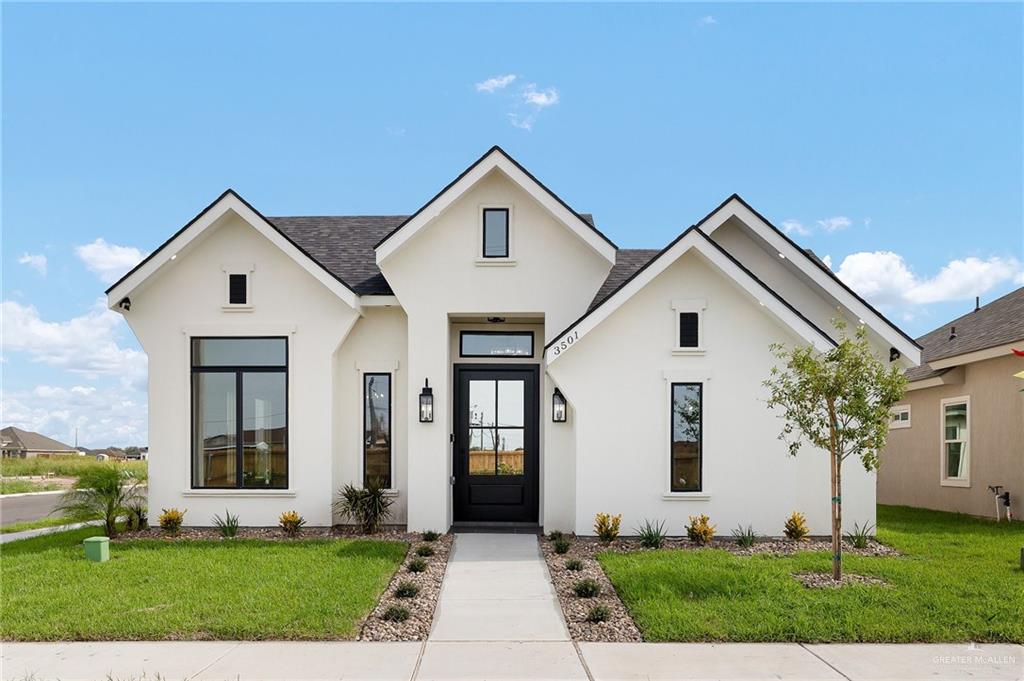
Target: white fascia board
(976,356)
(379,301)
(495,159)
(735,207)
(692,239)
(229,202)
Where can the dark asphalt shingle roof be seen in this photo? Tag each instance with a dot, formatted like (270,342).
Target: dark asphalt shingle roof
(26,439)
(627,262)
(998,323)
(344,245)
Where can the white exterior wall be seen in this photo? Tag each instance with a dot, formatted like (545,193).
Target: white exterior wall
(617,379)
(185,299)
(437,275)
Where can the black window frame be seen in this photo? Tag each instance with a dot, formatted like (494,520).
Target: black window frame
(238,370)
(391,424)
(231,290)
(483,230)
(672,438)
(696,328)
(464,332)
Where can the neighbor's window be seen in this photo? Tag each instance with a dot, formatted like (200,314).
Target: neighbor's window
(238,289)
(686,437)
(240,413)
(899,417)
(495,232)
(377,429)
(955,439)
(496,344)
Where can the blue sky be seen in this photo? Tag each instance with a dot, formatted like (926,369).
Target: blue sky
(886,137)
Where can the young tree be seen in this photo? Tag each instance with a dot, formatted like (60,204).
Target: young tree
(837,401)
(102,493)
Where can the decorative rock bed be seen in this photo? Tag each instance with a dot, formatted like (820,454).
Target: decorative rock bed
(619,626)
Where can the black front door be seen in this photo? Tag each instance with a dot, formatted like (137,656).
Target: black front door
(496,443)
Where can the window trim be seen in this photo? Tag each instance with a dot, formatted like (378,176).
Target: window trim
(900,409)
(391,426)
(943,479)
(491,332)
(238,370)
(506,260)
(673,379)
(243,269)
(688,305)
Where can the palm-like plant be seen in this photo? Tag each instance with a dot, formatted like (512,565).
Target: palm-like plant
(102,493)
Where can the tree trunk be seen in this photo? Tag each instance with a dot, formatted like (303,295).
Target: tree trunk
(837,518)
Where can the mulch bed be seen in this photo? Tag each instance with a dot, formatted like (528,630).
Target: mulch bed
(823,580)
(267,534)
(620,626)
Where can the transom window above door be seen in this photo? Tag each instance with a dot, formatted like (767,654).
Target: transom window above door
(496,344)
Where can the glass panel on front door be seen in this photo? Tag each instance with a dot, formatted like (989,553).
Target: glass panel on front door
(497,421)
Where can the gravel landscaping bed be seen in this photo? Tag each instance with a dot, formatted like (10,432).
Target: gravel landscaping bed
(421,606)
(267,534)
(823,580)
(619,626)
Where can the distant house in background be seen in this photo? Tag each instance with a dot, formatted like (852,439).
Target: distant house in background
(960,428)
(24,444)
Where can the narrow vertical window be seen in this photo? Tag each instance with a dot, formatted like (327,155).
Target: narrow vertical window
(687,411)
(377,429)
(495,233)
(238,289)
(955,441)
(688,336)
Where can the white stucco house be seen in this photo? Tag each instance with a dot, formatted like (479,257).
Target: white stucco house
(492,358)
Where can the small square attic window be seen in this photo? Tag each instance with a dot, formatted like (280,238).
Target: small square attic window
(237,287)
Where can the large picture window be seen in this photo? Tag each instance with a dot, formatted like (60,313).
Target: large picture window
(377,429)
(955,441)
(240,413)
(687,411)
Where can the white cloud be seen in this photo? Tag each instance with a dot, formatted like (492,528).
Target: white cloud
(828,261)
(36,261)
(524,123)
(538,98)
(496,83)
(108,261)
(795,227)
(884,278)
(707,20)
(86,345)
(835,224)
(102,417)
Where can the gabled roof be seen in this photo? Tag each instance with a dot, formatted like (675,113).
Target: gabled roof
(496,158)
(26,439)
(693,238)
(998,323)
(228,201)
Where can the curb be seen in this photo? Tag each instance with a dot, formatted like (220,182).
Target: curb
(31,494)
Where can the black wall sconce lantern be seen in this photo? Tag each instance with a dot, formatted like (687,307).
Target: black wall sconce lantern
(426,403)
(558,407)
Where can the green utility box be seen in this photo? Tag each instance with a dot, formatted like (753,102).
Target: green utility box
(97,549)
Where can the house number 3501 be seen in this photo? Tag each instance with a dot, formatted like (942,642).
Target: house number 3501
(564,344)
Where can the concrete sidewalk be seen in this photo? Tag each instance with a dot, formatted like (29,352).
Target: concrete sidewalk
(550,660)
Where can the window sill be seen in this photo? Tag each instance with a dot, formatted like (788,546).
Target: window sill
(688,352)
(496,262)
(686,496)
(228,493)
(955,483)
(236,308)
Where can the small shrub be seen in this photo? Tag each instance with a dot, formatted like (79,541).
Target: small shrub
(102,493)
(574,565)
(425,551)
(700,530)
(369,506)
(406,590)
(396,613)
(599,613)
(417,565)
(171,519)
(431,535)
(291,522)
(607,526)
(652,535)
(138,516)
(227,526)
(562,546)
(745,536)
(586,588)
(860,536)
(555,535)
(796,527)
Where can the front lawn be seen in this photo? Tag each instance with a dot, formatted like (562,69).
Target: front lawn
(48,521)
(959,579)
(152,589)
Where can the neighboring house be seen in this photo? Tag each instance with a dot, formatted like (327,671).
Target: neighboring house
(491,358)
(16,443)
(960,428)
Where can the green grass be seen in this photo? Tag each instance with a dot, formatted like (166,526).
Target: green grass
(151,589)
(49,521)
(20,486)
(959,579)
(66,466)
